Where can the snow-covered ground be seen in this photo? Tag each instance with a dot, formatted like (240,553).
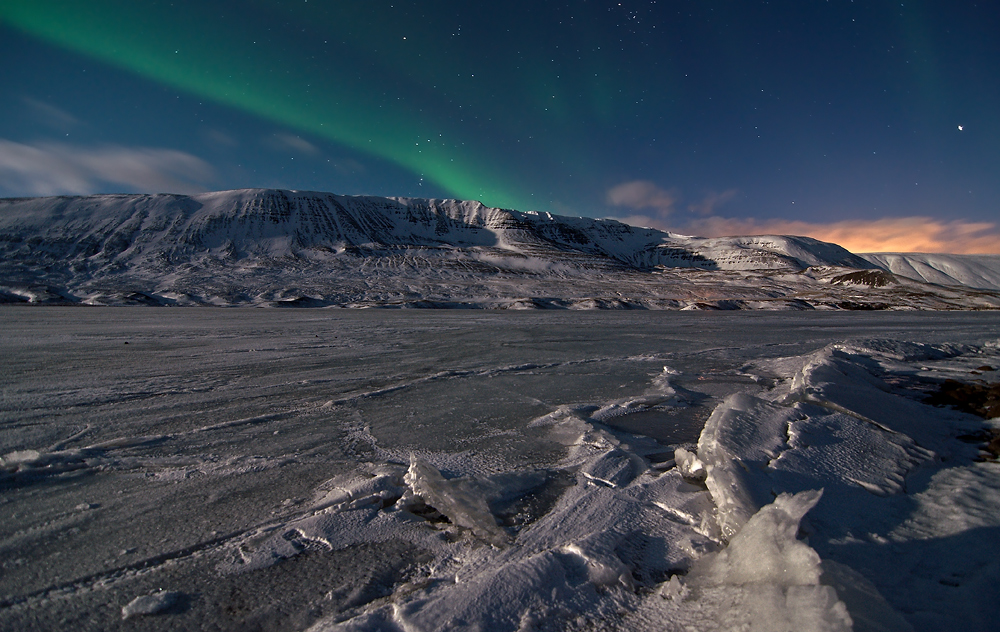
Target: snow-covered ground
(241,469)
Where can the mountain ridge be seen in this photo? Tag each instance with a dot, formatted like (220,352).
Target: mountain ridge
(273,246)
(368,221)
(975,271)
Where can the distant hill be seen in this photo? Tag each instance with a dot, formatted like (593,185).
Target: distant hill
(277,247)
(975,271)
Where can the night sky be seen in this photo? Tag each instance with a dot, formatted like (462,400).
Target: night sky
(874,124)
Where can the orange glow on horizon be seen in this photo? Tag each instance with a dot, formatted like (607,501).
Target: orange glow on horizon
(896,234)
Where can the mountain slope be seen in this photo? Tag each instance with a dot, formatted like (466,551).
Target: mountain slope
(273,223)
(260,246)
(976,271)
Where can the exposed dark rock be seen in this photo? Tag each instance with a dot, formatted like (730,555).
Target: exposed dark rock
(871,278)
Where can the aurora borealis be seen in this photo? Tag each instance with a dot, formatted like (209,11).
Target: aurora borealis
(694,116)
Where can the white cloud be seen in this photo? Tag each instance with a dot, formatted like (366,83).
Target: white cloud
(59,168)
(641,194)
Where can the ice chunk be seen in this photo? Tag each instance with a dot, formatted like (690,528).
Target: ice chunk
(19,459)
(151,604)
(458,502)
(833,446)
(619,409)
(766,579)
(674,589)
(690,467)
(743,435)
(838,380)
(766,551)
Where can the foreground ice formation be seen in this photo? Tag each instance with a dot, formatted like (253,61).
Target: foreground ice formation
(461,504)
(678,474)
(766,579)
(833,444)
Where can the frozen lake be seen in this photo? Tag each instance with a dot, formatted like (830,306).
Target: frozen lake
(147,449)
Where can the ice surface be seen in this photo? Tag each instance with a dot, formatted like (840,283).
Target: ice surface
(442,470)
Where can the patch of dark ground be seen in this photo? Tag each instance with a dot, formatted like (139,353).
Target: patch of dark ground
(977,398)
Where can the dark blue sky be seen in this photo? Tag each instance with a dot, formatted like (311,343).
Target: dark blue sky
(873,124)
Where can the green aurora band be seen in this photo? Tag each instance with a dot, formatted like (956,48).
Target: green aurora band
(238,64)
(518,104)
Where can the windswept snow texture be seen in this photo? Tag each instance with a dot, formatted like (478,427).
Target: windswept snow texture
(383,470)
(308,249)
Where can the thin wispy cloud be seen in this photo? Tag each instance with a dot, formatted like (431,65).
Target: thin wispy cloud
(347,166)
(294,143)
(50,115)
(220,138)
(640,195)
(712,201)
(59,168)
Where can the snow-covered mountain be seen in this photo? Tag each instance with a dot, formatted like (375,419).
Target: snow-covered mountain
(977,271)
(282,224)
(260,246)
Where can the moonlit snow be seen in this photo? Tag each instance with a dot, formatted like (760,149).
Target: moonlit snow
(243,469)
(280,248)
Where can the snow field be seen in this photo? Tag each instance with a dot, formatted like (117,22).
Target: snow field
(423,472)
